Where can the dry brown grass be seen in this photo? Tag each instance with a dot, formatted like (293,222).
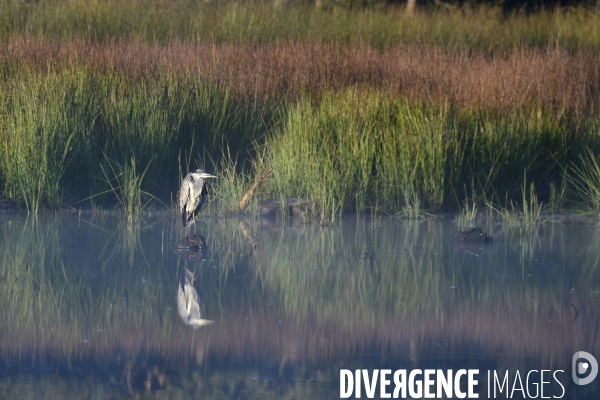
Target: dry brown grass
(552,78)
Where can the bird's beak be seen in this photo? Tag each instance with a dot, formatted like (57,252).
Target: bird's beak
(204,175)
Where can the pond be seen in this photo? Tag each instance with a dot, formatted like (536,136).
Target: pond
(285,309)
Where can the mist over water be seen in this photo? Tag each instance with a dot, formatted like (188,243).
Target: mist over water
(90,304)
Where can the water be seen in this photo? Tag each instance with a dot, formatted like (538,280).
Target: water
(89,306)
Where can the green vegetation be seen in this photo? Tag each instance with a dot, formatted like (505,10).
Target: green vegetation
(112,102)
(481,28)
(72,135)
(587,180)
(367,150)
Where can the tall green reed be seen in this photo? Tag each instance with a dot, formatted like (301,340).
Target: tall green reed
(348,151)
(58,130)
(360,149)
(126,184)
(41,121)
(586,180)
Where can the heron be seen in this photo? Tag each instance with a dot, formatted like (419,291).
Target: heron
(188,301)
(192,195)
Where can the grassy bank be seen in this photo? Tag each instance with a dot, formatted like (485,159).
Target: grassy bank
(72,134)
(481,28)
(79,131)
(551,78)
(400,114)
(368,151)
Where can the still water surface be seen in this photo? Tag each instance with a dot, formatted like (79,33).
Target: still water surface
(89,306)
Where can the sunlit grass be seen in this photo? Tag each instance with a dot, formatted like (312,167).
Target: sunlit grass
(356,150)
(67,136)
(238,189)
(586,179)
(40,126)
(362,149)
(467,215)
(482,28)
(126,185)
(342,142)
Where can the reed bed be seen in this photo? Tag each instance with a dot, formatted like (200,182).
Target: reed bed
(552,78)
(63,132)
(357,150)
(480,28)
(400,126)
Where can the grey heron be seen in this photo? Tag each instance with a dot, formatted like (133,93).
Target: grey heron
(188,301)
(192,195)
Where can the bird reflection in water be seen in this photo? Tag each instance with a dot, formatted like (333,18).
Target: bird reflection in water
(191,248)
(189,304)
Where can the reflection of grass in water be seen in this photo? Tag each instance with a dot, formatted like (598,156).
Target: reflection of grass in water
(365,276)
(354,274)
(386,282)
(112,285)
(61,303)
(248,383)
(32,266)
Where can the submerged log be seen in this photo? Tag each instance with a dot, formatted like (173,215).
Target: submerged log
(293,206)
(192,248)
(473,235)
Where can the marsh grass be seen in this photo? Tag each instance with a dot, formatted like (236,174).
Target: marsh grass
(231,187)
(61,129)
(586,179)
(467,215)
(363,149)
(359,149)
(524,214)
(520,218)
(482,28)
(352,150)
(126,185)
(347,126)
(40,124)
(238,189)
(532,207)
(519,79)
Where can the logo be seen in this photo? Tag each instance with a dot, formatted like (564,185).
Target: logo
(580,367)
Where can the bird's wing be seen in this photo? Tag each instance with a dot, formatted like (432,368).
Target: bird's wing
(184,190)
